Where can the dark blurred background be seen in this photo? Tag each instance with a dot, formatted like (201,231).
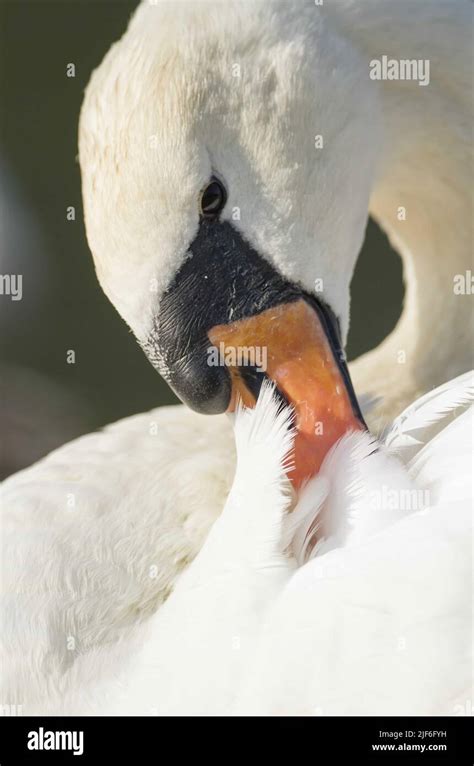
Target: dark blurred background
(46,401)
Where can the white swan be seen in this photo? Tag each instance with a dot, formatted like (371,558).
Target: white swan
(192,91)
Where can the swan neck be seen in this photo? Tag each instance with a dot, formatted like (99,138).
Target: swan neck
(422,195)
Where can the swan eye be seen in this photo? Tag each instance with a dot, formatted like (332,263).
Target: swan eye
(213,198)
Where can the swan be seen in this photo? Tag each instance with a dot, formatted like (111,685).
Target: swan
(279,106)
(357,602)
(209,225)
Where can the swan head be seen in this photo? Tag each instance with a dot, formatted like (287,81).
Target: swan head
(226,166)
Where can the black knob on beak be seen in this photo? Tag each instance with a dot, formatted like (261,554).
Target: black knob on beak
(222,280)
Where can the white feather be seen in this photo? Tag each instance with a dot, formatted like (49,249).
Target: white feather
(429,410)
(105,512)
(378,621)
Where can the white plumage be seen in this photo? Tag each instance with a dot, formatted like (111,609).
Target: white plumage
(380,625)
(375,619)
(97,534)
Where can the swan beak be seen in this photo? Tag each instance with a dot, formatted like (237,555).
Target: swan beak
(294,345)
(229,320)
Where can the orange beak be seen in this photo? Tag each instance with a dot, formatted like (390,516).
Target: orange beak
(289,344)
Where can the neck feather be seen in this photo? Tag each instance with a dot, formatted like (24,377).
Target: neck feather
(422,196)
